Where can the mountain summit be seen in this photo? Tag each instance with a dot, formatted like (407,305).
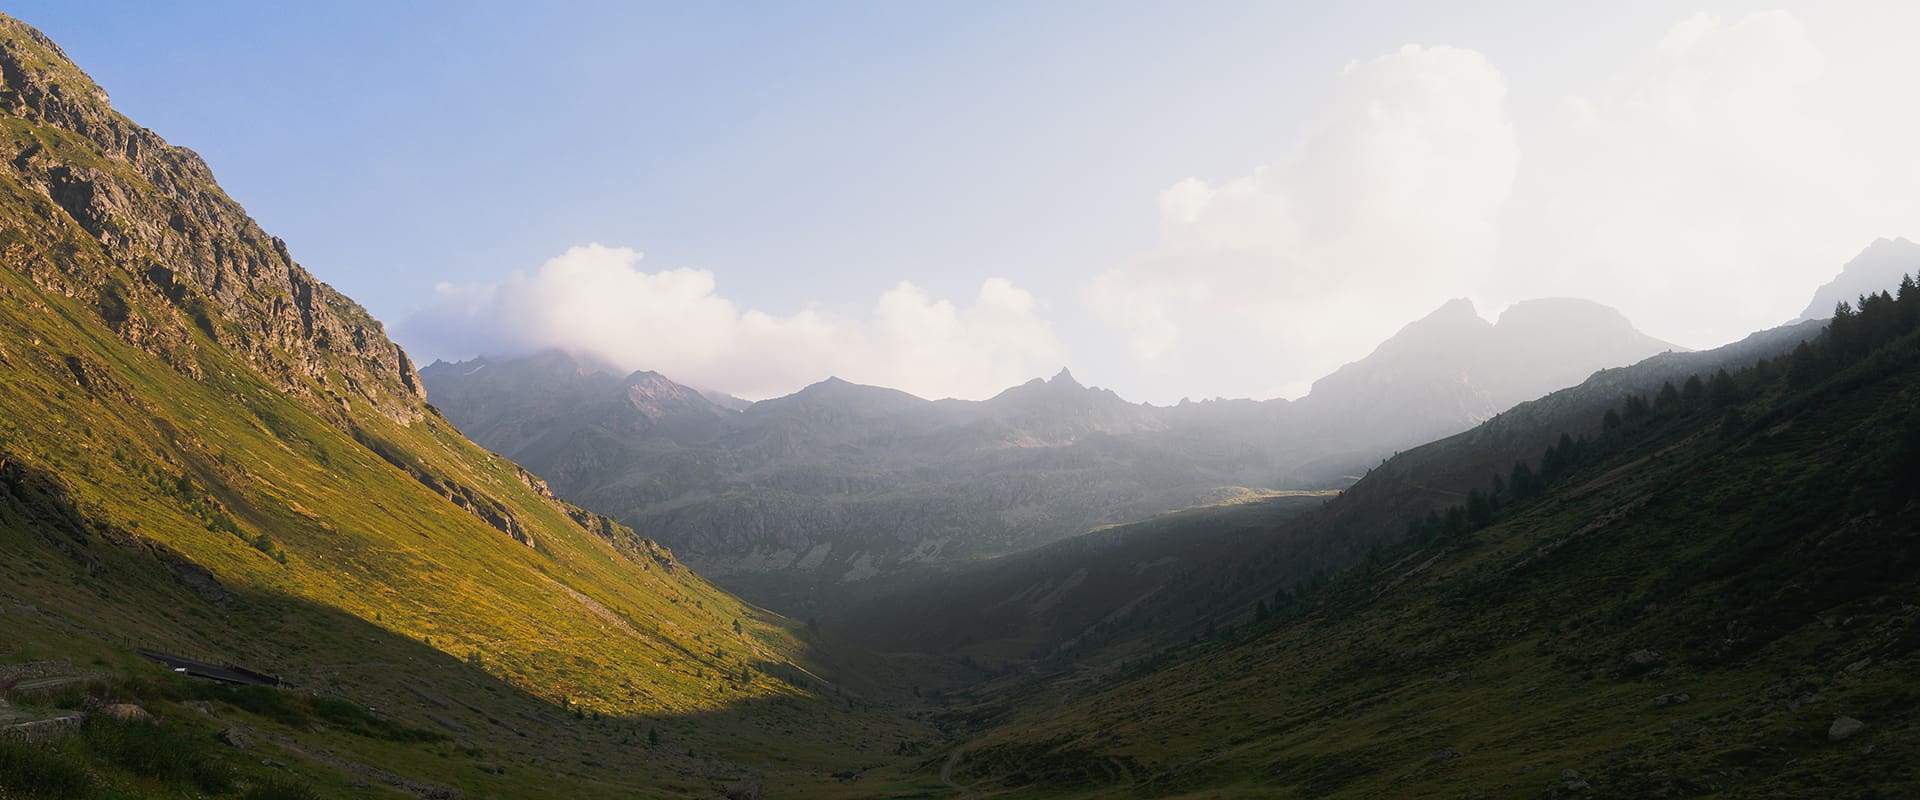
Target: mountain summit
(1452,368)
(1877,268)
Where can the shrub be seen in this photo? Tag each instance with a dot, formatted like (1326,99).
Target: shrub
(158,751)
(279,788)
(38,770)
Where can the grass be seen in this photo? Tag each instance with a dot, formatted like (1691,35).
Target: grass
(172,475)
(1771,567)
(40,770)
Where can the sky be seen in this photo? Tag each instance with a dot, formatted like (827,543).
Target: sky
(1173,199)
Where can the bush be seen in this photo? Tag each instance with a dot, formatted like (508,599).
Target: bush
(279,788)
(157,751)
(37,770)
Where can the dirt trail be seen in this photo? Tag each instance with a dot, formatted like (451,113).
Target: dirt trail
(946,774)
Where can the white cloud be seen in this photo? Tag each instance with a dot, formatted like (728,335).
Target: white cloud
(594,301)
(1708,187)
(1390,206)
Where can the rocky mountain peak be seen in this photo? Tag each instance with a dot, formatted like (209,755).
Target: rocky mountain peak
(178,264)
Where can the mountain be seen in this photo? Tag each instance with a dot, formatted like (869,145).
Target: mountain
(1703,592)
(801,501)
(1876,269)
(210,454)
(1453,368)
(817,502)
(1160,580)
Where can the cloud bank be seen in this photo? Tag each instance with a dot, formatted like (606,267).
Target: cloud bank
(1387,209)
(1703,187)
(1704,191)
(1708,173)
(595,302)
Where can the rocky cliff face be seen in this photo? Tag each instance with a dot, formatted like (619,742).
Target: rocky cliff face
(177,261)
(821,497)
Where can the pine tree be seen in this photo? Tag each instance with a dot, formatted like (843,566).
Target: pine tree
(1479,510)
(1721,390)
(1667,398)
(1803,367)
(1694,390)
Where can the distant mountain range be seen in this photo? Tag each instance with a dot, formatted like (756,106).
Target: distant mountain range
(799,500)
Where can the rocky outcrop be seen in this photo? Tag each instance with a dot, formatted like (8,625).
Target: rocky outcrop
(175,262)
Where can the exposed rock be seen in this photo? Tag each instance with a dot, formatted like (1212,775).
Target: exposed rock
(1844,727)
(1444,754)
(1573,782)
(742,790)
(1644,657)
(127,711)
(237,736)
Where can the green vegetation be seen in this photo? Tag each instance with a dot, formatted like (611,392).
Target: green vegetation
(1697,600)
(205,451)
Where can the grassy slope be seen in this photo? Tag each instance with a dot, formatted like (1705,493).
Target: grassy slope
(344,573)
(1766,564)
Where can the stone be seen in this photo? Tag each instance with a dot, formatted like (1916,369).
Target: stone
(236,736)
(128,712)
(1444,754)
(742,790)
(1844,727)
(1643,657)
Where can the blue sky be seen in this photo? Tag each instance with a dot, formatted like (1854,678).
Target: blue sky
(811,157)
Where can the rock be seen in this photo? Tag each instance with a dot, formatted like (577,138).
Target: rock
(128,712)
(236,736)
(1643,657)
(1569,774)
(1844,727)
(1444,754)
(742,790)
(1675,698)
(1805,700)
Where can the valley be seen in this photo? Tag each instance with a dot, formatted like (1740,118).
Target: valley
(247,550)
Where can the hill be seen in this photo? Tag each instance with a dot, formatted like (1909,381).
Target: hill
(208,452)
(1709,592)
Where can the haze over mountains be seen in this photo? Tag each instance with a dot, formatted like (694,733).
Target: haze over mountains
(1876,269)
(797,500)
(241,555)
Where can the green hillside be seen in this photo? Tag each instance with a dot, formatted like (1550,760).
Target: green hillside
(1702,598)
(207,452)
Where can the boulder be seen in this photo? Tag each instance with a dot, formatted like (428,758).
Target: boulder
(742,790)
(1844,727)
(237,736)
(128,712)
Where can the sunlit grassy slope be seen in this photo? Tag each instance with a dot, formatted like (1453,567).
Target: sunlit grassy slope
(204,451)
(1688,610)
